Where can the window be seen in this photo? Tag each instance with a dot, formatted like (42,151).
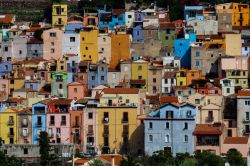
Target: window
(166,81)
(154,80)
(102,78)
(228,90)
(25,132)
(63,120)
(83,38)
(52,50)
(140,77)
(125,117)
(247,102)
(166,37)
(150,138)
(197,101)
(6,49)
(185,138)
(60,86)
(167,125)
(167,138)
(104,39)
(224,18)
(246,115)
(125,68)
(185,126)
(72,39)
(113,75)
(129,16)
(52,43)
(39,120)
(75,90)
(62,67)
(166,89)
(93,77)
(197,53)
(25,151)
(197,63)
(138,33)
(150,125)
(90,115)
(20,52)
(86,48)
(139,67)
(106,117)
(52,34)
(52,120)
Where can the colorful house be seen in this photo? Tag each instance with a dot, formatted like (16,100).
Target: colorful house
(170,128)
(139,76)
(25,126)
(97,74)
(39,119)
(58,121)
(76,90)
(59,84)
(120,49)
(104,46)
(88,44)
(9,126)
(59,16)
(193,12)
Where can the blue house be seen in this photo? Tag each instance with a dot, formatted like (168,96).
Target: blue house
(170,128)
(72,67)
(138,19)
(5,69)
(111,19)
(97,75)
(73,28)
(38,120)
(182,49)
(33,84)
(193,12)
(245,40)
(138,34)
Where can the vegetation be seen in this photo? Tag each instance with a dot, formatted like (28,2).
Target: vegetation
(96,162)
(48,157)
(205,158)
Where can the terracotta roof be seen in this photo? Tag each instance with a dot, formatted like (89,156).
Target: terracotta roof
(81,161)
(167,25)
(62,101)
(180,87)
(236,140)
(108,158)
(5,19)
(168,99)
(120,91)
(70,55)
(15,100)
(207,129)
(243,93)
(34,41)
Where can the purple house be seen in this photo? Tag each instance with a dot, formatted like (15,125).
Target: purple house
(137,34)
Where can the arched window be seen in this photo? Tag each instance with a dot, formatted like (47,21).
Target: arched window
(185,138)
(150,138)
(167,138)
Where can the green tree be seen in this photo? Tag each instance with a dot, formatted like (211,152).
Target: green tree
(96,162)
(9,161)
(234,157)
(159,158)
(129,161)
(207,158)
(48,157)
(188,162)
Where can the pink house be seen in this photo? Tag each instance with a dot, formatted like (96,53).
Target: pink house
(58,121)
(76,90)
(242,144)
(232,63)
(52,47)
(90,139)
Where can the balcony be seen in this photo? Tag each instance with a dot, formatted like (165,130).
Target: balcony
(106,120)
(59,80)
(209,119)
(125,120)
(90,144)
(11,122)
(10,134)
(105,133)
(39,124)
(246,121)
(63,123)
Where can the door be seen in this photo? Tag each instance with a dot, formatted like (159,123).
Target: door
(167,150)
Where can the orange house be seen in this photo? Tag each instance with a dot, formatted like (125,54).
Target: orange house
(193,75)
(120,49)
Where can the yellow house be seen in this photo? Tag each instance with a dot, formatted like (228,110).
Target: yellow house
(181,77)
(59,16)
(15,84)
(8,127)
(139,74)
(88,44)
(233,44)
(116,126)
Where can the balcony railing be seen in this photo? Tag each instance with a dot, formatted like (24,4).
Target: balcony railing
(11,134)
(51,135)
(246,120)
(209,119)
(11,122)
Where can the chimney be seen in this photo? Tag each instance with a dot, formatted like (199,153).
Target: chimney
(113,160)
